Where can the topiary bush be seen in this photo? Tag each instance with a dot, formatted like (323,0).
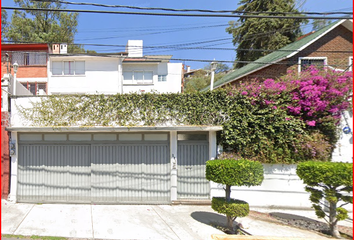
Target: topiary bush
(234,208)
(332,181)
(232,172)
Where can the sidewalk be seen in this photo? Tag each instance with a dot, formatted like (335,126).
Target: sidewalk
(129,222)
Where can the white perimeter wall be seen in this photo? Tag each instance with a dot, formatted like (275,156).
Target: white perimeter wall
(344,148)
(101,76)
(281,188)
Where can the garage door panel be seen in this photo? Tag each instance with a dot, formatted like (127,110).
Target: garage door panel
(54,173)
(192,159)
(131,172)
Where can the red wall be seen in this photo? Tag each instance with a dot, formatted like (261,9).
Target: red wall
(5,158)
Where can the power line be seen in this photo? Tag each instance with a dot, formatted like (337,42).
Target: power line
(187,10)
(176,47)
(172,14)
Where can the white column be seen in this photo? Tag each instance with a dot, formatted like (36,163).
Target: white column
(212,145)
(14,164)
(120,76)
(212,155)
(173,157)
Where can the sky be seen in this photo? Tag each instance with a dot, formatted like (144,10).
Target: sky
(95,28)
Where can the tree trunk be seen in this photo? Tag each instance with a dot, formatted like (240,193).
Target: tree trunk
(333,220)
(230,222)
(228,193)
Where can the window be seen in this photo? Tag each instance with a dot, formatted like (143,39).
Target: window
(162,78)
(138,77)
(29,58)
(36,88)
(305,62)
(68,68)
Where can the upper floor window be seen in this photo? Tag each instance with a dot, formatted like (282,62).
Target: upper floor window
(138,77)
(162,78)
(306,62)
(28,58)
(68,67)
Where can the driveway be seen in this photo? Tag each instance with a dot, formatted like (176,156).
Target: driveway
(170,222)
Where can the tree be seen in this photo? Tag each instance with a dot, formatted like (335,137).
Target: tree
(332,181)
(220,67)
(263,33)
(201,79)
(3,23)
(43,26)
(319,23)
(232,172)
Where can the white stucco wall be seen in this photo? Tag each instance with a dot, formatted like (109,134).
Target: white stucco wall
(101,76)
(344,149)
(104,75)
(171,85)
(281,187)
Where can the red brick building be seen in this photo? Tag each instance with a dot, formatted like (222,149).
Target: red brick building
(331,46)
(32,74)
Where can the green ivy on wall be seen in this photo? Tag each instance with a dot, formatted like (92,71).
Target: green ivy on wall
(252,131)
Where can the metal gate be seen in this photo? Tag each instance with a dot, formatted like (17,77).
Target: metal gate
(191,181)
(130,173)
(111,173)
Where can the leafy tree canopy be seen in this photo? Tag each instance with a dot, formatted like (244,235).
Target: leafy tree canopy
(43,26)
(201,79)
(263,33)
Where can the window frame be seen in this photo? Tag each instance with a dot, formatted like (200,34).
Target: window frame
(74,71)
(311,58)
(134,81)
(162,78)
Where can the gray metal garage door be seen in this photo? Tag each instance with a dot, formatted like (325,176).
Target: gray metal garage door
(193,152)
(114,172)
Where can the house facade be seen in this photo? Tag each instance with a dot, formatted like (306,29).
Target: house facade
(107,164)
(124,72)
(31,79)
(331,46)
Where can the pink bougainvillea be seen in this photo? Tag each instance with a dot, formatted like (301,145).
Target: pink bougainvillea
(312,95)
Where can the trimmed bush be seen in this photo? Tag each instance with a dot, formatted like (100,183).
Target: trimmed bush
(235,172)
(332,181)
(232,172)
(234,208)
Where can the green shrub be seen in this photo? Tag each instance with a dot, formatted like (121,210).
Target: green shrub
(235,172)
(234,208)
(232,172)
(332,181)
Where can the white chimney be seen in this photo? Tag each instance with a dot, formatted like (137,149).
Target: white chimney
(63,48)
(134,48)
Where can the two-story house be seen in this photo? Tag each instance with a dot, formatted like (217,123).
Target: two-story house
(113,73)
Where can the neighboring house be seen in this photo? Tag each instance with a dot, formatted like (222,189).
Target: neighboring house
(330,46)
(113,73)
(32,60)
(31,80)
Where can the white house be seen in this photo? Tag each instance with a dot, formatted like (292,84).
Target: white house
(123,72)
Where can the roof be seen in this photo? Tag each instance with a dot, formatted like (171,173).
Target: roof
(25,46)
(278,56)
(149,58)
(116,129)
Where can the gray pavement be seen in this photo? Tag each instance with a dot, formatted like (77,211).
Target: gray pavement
(170,222)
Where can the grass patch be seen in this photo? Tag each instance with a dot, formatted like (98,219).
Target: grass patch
(32,237)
